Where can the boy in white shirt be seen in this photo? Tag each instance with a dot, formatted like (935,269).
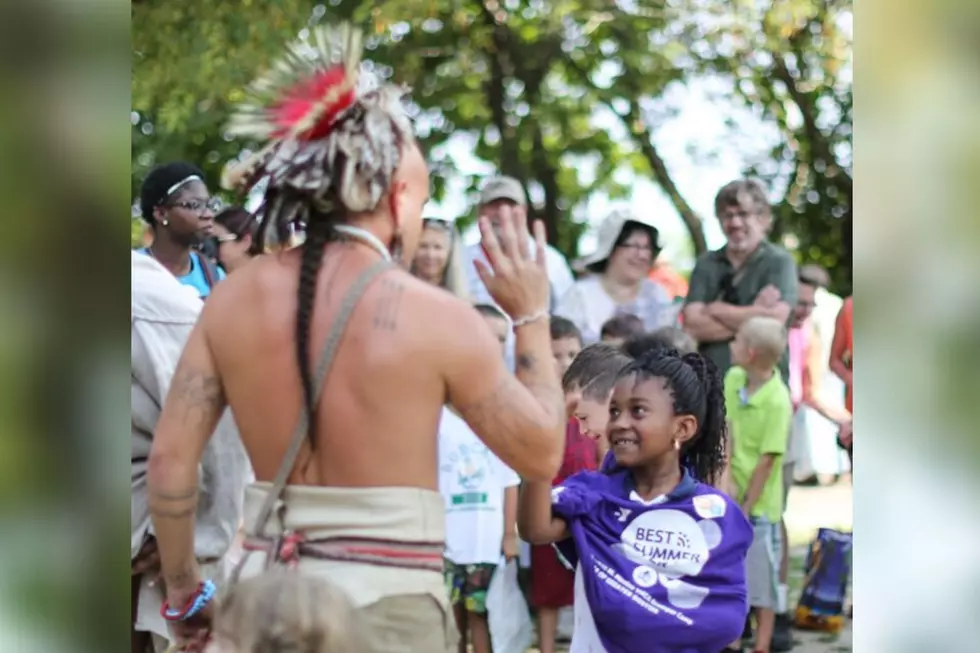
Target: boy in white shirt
(481,512)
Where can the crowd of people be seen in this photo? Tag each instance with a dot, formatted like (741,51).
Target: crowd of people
(345,421)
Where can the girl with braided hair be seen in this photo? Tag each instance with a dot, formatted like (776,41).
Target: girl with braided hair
(337,362)
(659,557)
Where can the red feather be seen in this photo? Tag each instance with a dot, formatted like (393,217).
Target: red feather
(308,96)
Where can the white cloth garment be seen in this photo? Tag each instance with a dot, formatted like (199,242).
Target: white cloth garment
(163,313)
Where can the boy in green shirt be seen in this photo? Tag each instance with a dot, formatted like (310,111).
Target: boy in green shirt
(760,412)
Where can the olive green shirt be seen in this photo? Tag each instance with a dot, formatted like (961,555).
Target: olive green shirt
(715,279)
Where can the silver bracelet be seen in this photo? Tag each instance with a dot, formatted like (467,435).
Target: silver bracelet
(527,319)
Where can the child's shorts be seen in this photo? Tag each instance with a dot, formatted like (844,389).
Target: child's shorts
(552,584)
(468,585)
(762,564)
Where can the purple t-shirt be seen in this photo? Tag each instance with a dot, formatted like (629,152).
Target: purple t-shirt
(666,576)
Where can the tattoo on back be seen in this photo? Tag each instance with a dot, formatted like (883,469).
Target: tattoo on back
(386,311)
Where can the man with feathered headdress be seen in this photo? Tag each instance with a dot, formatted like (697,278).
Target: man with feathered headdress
(337,362)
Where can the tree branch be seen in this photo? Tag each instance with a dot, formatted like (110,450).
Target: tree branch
(659,167)
(806,102)
(656,162)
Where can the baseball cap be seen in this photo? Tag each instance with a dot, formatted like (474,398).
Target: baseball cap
(503,188)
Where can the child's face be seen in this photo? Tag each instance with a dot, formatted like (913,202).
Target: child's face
(565,350)
(642,424)
(741,354)
(592,417)
(498,326)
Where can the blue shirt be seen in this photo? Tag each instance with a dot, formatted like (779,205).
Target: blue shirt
(196,278)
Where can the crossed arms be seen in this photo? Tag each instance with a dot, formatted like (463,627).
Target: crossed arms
(710,320)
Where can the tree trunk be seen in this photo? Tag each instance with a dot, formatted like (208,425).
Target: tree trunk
(634,123)
(547,176)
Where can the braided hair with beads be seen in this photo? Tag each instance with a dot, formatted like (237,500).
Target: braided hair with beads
(334,139)
(697,388)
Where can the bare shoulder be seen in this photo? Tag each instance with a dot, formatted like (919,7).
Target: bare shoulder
(269,274)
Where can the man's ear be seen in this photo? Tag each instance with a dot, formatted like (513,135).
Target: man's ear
(397,198)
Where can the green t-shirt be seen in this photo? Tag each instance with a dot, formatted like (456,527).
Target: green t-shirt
(714,279)
(760,425)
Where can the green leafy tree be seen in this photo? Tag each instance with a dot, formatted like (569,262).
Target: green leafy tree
(790,62)
(524,81)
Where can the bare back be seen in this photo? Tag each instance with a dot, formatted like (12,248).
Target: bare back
(378,414)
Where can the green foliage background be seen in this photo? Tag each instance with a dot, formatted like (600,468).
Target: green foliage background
(525,80)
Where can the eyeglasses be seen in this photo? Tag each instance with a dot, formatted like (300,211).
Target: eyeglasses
(212,204)
(726,215)
(639,247)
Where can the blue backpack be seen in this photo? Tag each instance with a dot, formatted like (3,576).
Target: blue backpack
(828,569)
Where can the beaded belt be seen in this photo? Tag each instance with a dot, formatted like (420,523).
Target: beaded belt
(290,546)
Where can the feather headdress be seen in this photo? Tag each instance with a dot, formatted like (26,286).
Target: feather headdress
(332,133)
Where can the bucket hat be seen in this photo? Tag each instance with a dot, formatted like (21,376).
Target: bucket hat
(609,232)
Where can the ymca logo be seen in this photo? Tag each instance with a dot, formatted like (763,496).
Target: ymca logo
(622,514)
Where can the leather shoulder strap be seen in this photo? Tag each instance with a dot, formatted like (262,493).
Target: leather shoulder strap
(336,332)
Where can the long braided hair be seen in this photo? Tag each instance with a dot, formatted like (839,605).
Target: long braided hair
(697,389)
(337,137)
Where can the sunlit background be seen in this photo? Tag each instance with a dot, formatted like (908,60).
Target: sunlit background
(67,191)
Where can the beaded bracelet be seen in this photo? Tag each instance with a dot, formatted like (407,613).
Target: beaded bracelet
(527,319)
(200,598)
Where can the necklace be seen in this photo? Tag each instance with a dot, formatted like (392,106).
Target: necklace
(365,237)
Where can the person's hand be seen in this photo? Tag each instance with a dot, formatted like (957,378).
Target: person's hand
(846,435)
(147,561)
(516,278)
(510,547)
(192,635)
(768,296)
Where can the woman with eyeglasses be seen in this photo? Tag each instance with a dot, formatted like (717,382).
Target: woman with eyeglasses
(438,257)
(174,201)
(234,233)
(619,282)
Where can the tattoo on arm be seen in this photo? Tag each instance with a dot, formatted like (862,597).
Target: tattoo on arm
(183,495)
(526,362)
(386,312)
(173,514)
(202,393)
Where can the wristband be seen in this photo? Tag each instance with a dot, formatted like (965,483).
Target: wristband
(528,319)
(197,601)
